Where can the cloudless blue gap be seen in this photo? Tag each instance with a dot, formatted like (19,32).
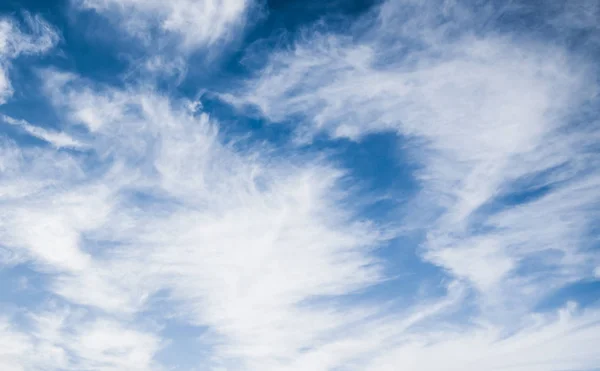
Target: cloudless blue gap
(376,159)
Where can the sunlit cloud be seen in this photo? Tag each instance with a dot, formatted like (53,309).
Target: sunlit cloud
(157,222)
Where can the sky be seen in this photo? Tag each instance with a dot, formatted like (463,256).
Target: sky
(299,185)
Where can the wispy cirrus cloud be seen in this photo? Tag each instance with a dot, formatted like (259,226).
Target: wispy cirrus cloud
(242,243)
(57,139)
(508,165)
(37,37)
(146,211)
(69,340)
(192,23)
(489,113)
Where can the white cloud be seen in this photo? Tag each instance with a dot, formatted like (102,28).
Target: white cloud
(490,117)
(252,248)
(547,343)
(486,111)
(55,138)
(14,41)
(195,23)
(15,347)
(240,241)
(266,254)
(82,341)
(58,339)
(107,345)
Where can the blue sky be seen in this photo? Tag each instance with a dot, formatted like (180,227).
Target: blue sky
(240,185)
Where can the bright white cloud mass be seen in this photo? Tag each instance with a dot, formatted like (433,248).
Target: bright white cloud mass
(236,185)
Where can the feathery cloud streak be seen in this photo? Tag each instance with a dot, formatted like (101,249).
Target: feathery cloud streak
(193,23)
(139,216)
(37,38)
